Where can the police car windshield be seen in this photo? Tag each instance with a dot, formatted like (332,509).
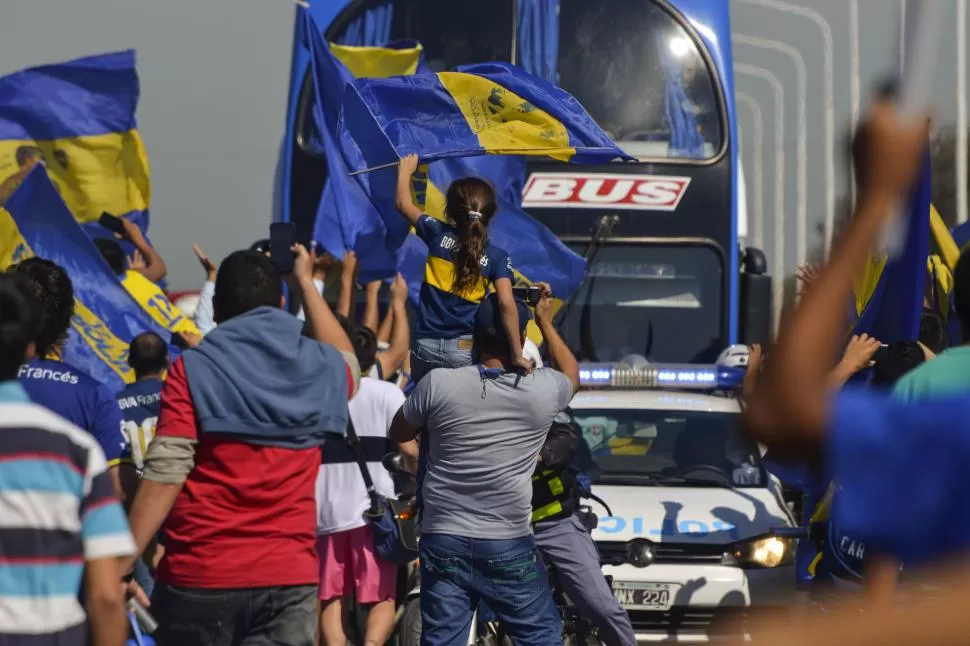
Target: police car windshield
(661,302)
(672,447)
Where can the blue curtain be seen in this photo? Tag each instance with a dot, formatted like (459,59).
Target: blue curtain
(685,137)
(372,29)
(538,38)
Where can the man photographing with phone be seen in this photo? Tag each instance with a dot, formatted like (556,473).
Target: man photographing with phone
(485,426)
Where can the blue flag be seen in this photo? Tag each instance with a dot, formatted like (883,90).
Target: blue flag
(346,219)
(485,109)
(896,288)
(106,318)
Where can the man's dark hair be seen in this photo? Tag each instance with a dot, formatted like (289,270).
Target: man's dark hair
(364,341)
(54,293)
(961,291)
(18,315)
(492,344)
(897,359)
(25,153)
(246,280)
(113,254)
(148,354)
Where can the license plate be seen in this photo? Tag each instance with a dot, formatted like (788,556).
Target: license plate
(643,596)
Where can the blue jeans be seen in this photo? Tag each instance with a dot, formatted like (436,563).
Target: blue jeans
(428,354)
(278,616)
(458,573)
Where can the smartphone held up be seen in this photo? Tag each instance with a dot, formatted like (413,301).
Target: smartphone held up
(282,237)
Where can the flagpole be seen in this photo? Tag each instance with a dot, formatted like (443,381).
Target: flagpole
(373,168)
(920,38)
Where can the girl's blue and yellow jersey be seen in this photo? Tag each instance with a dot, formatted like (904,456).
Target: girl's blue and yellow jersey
(442,312)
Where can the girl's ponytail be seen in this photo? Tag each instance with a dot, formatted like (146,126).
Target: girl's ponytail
(470,204)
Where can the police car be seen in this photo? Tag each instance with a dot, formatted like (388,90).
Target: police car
(699,537)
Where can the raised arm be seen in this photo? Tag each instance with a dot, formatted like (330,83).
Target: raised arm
(348,280)
(857,357)
(371,306)
(393,358)
(324,325)
(510,321)
(560,355)
(791,404)
(403,201)
(154,269)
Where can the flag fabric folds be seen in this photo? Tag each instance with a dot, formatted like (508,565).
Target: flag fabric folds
(484,109)
(346,219)
(106,318)
(895,289)
(78,118)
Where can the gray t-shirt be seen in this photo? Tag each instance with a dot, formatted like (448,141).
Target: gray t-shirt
(482,451)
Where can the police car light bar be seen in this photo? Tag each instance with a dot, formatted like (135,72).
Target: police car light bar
(672,376)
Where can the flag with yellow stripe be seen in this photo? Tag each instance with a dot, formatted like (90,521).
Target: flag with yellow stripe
(485,109)
(105,318)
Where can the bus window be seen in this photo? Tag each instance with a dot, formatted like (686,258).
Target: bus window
(640,74)
(453,36)
(663,302)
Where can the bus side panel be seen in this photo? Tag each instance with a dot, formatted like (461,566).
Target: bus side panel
(711,19)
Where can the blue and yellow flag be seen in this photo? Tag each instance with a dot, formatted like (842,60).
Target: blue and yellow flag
(346,219)
(78,118)
(490,108)
(106,318)
(889,298)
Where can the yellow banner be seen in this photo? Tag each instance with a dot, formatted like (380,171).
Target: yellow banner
(93,174)
(156,304)
(377,62)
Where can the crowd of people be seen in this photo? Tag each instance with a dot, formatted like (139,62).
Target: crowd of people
(245,502)
(219,488)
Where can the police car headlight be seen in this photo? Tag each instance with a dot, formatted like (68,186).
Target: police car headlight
(765,552)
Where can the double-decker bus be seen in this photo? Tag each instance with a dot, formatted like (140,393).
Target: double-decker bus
(668,277)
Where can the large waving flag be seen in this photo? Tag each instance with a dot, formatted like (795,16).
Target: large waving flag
(889,299)
(106,318)
(490,108)
(78,118)
(346,219)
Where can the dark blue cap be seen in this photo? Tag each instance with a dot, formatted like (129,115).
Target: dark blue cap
(488,319)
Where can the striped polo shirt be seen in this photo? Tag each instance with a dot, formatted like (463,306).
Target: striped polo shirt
(443,312)
(57,510)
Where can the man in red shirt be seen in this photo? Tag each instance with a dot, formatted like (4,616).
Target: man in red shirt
(232,468)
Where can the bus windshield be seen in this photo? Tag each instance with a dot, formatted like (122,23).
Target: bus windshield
(663,302)
(641,76)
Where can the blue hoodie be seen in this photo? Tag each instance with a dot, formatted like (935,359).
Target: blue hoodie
(258,378)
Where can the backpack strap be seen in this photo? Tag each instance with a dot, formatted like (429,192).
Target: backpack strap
(376,503)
